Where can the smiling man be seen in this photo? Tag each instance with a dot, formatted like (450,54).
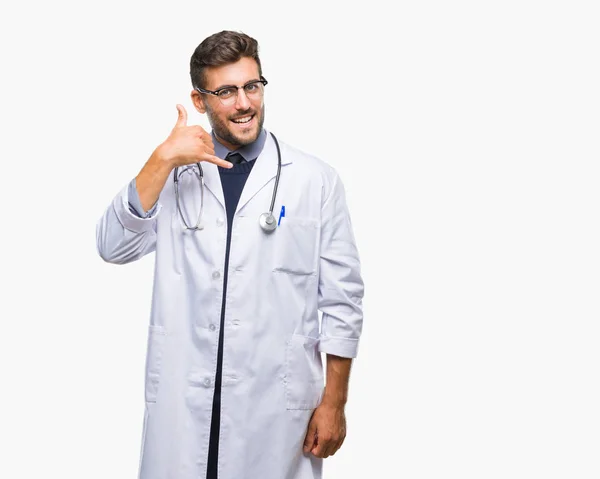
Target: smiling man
(235,385)
(240,125)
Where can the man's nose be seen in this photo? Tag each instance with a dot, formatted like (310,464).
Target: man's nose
(242,102)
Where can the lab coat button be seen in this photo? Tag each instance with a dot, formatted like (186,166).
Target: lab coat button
(220,221)
(212,327)
(207,382)
(216,275)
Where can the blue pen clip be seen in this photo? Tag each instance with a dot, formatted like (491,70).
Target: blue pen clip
(281,215)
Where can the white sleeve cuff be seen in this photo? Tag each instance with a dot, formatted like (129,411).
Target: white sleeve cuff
(343,347)
(129,220)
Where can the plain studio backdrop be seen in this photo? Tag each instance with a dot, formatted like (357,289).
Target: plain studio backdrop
(466,134)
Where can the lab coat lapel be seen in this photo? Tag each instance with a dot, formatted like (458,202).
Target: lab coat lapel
(212,181)
(264,170)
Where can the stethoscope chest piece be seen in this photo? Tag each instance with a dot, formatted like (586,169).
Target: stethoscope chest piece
(267,222)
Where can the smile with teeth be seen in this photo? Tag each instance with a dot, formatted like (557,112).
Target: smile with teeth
(244,119)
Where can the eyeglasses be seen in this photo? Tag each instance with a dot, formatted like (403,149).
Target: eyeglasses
(254,90)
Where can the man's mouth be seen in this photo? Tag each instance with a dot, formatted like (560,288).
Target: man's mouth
(243,119)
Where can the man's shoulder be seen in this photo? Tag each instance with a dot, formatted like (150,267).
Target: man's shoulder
(305,160)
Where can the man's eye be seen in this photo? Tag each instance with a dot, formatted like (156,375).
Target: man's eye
(226,93)
(250,88)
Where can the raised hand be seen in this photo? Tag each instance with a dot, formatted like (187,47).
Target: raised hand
(188,144)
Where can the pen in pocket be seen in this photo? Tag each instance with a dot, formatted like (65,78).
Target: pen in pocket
(281,215)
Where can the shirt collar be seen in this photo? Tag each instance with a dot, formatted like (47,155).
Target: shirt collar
(249,152)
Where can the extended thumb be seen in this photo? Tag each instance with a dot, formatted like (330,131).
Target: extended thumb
(182,116)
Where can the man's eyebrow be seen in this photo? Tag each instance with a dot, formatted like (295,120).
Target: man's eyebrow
(234,86)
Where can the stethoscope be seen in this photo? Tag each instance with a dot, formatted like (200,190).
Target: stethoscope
(266,220)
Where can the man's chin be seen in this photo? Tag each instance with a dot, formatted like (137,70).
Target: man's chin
(244,138)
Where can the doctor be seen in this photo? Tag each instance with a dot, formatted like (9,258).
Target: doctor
(235,385)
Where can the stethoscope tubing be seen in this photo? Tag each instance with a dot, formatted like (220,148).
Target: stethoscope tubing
(199,226)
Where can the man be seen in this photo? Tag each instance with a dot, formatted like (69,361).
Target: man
(234,379)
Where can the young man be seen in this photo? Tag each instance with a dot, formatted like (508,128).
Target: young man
(234,379)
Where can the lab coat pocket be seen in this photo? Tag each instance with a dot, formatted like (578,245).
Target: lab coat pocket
(154,354)
(303,379)
(295,246)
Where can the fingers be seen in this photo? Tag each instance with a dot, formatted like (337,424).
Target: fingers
(217,161)
(324,449)
(326,446)
(317,450)
(205,137)
(337,443)
(201,132)
(204,153)
(333,448)
(182,116)
(208,148)
(310,441)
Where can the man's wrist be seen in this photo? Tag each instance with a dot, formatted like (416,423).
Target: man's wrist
(161,160)
(334,400)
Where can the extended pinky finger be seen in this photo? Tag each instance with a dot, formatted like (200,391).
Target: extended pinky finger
(218,161)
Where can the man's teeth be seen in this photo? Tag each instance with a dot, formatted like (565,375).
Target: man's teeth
(246,119)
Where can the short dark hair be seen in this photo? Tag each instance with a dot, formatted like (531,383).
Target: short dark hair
(221,49)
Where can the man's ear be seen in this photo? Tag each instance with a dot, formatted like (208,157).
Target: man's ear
(198,101)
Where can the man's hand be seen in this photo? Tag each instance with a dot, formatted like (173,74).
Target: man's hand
(187,145)
(326,430)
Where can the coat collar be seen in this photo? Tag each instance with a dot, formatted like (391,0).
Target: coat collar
(264,170)
(249,152)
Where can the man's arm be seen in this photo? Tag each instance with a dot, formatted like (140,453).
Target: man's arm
(127,230)
(340,300)
(341,286)
(338,376)
(327,427)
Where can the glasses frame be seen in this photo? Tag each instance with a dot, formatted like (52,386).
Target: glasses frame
(262,80)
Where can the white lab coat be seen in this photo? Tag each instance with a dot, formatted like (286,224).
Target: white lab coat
(273,373)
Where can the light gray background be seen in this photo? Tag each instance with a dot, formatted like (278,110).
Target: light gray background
(466,134)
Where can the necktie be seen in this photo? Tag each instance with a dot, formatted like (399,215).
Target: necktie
(234,158)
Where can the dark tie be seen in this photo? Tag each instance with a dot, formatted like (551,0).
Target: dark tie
(234,158)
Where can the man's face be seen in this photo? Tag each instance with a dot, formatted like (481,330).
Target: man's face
(225,119)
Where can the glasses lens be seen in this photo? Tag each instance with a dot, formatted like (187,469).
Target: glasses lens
(227,95)
(253,91)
